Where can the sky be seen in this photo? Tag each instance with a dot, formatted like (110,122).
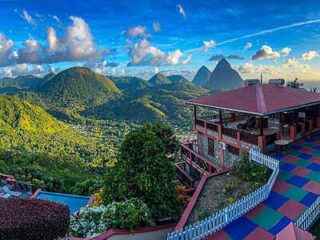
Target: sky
(279,39)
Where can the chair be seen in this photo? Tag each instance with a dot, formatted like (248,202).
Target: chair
(6,195)
(5,183)
(8,191)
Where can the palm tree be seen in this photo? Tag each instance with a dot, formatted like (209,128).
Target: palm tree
(294,84)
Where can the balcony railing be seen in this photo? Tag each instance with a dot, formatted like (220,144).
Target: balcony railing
(184,177)
(198,162)
(230,132)
(249,138)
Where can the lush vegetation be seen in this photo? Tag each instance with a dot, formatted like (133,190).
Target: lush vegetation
(251,172)
(33,219)
(144,171)
(91,221)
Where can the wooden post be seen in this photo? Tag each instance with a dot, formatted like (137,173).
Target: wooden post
(195,111)
(261,126)
(220,116)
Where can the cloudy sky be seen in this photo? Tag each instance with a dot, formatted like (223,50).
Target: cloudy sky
(141,37)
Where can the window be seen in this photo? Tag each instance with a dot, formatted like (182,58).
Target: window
(211,147)
(233,150)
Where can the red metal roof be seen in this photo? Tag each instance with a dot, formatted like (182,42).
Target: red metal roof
(259,99)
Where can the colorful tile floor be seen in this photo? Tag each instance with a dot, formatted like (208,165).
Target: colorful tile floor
(296,188)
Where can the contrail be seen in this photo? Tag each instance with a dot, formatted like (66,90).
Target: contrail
(261,33)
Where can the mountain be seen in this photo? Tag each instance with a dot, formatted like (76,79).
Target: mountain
(78,88)
(27,83)
(202,76)
(177,78)
(16,113)
(125,83)
(159,79)
(224,77)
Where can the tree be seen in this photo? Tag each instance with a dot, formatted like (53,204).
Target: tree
(294,84)
(144,171)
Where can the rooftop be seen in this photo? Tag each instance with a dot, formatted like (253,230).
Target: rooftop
(259,99)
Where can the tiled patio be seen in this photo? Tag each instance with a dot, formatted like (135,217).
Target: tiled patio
(296,188)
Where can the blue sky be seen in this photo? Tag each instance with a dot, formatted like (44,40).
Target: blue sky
(276,38)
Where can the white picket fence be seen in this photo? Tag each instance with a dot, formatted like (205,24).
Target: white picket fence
(310,216)
(224,217)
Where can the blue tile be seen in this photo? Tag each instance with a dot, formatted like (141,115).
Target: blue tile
(240,228)
(288,167)
(310,140)
(309,199)
(296,147)
(281,224)
(314,167)
(275,200)
(279,156)
(304,156)
(316,147)
(298,181)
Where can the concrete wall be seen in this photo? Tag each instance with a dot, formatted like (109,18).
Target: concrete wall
(154,235)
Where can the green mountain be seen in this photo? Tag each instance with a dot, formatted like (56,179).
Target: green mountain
(16,113)
(26,83)
(159,79)
(127,83)
(78,88)
(177,78)
(202,76)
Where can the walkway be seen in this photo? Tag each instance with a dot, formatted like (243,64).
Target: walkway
(296,188)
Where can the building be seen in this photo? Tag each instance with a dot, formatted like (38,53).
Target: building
(255,115)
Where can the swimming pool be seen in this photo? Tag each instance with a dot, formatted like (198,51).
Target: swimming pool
(75,202)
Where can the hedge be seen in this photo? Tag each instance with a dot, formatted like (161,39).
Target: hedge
(33,219)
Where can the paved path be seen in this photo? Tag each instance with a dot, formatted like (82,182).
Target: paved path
(296,188)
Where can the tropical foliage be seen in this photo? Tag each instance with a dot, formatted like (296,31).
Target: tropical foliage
(91,221)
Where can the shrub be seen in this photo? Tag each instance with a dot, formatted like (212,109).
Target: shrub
(92,221)
(33,219)
(205,213)
(228,188)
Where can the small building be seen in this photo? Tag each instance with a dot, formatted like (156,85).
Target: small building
(254,115)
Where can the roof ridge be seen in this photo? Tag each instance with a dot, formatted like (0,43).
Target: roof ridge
(261,102)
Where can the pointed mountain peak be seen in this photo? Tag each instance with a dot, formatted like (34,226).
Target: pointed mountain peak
(223,62)
(202,76)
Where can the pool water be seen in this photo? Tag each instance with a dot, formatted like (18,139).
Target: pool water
(75,202)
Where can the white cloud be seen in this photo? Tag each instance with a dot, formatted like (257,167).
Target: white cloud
(30,53)
(156,70)
(187,60)
(57,19)
(294,63)
(309,55)
(286,51)
(5,50)
(26,69)
(26,16)
(156,27)
(138,31)
(181,11)
(265,52)
(143,53)
(248,45)
(208,44)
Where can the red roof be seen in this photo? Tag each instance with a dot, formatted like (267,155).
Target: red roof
(259,99)
(293,232)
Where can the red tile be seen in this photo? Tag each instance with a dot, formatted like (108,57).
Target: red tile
(254,212)
(312,186)
(291,209)
(220,235)
(306,150)
(315,159)
(316,142)
(280,187)
(300,171)
(259,233)
(291,159)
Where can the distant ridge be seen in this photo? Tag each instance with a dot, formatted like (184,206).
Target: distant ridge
(159,79)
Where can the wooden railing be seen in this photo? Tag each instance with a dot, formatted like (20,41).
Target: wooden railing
(230,132)
(184,177)
(249,138)
(234,211)
(199,162)
(212,126)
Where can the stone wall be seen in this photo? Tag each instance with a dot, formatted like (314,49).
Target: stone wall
(229,158)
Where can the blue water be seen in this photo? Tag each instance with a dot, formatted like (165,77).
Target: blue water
(74,202)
